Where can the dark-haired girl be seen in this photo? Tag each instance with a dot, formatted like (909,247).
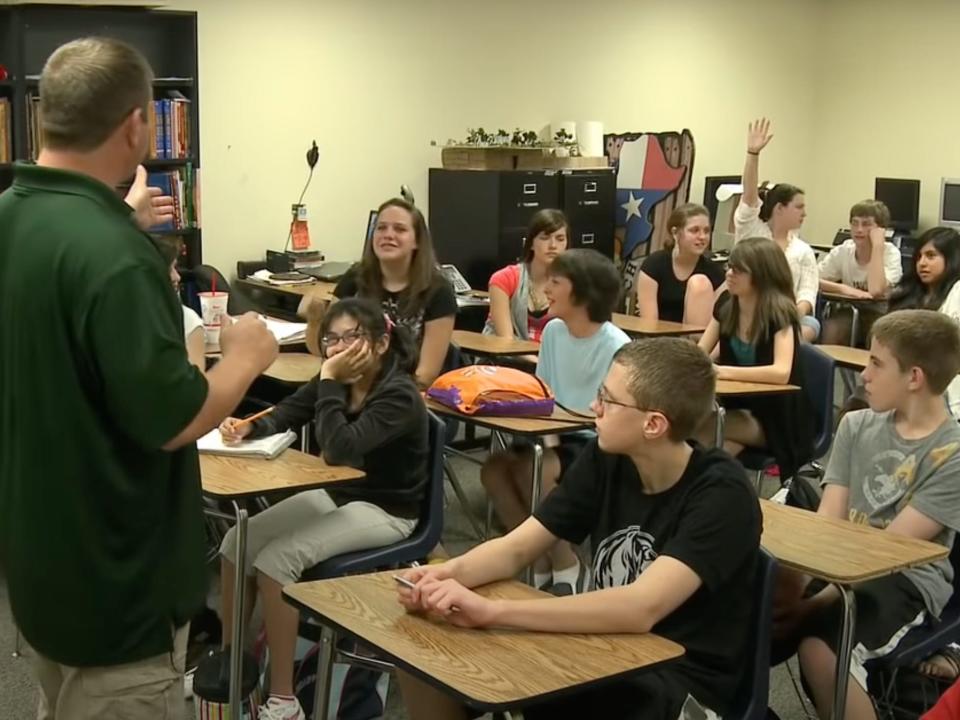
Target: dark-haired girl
(778,215)
(368,414)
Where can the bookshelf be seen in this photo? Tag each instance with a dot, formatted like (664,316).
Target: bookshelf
(168,39)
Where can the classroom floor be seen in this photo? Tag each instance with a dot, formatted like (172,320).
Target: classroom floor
(18,700)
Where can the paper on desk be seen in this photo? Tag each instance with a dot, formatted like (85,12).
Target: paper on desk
(286,332)
(266,447)
(267,277)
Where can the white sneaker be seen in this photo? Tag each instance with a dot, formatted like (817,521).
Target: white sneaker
(281,709)
(188,684)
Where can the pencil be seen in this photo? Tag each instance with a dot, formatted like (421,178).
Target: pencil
(255,416)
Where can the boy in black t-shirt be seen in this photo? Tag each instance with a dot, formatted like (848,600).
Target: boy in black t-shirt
(676,530)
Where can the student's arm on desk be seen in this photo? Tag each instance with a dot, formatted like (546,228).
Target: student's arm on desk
(433,349)
(708,342)
(838,288)
(776,374)
(500,312)
(248,349)
(647,297)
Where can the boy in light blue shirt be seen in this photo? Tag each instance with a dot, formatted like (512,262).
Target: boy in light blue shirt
(576,350)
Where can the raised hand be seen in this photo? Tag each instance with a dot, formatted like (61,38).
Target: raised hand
(758,135)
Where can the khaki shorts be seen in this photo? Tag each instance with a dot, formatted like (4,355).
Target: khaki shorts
(150,689)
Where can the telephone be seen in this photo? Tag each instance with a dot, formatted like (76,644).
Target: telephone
(453,276)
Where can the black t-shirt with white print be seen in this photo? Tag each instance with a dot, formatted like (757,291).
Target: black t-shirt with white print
(709,520)
(439,301)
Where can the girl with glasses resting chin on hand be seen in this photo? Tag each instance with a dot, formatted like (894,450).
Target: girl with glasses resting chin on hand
(368,414)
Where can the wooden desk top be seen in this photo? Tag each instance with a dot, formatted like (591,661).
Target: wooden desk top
(323,290)
(848,357)
(225,476)
(296,368)
(634,325)
(732,388)
(838,551)
(838,297)
(480,344)
(559,422)
(488,669)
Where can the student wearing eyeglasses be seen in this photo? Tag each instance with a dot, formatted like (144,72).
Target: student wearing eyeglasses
(368,414)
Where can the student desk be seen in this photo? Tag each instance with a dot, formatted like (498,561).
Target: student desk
(235,479)
(854,304)
(633,325)
(843,554)
(295,368)
(492,346)
(487,669)
(738,388)
(847,357)
(531,428)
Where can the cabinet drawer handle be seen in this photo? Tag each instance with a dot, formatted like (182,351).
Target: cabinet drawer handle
(590,187)
(587,239)
(530,189)
(589,203)
(529,204)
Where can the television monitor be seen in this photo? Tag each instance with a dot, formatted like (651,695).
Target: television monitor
(902,197)
(950,202)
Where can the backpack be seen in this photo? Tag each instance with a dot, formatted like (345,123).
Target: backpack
(493,390)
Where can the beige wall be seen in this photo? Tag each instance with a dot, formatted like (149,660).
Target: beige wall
(374,81)
(856,88)
(889,104)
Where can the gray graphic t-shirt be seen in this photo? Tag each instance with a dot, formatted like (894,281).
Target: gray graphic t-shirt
(885,473)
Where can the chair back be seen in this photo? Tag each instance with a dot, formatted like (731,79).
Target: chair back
(753,696)
(819,373)
(421,541)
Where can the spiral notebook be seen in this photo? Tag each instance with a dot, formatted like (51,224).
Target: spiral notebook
(266,447)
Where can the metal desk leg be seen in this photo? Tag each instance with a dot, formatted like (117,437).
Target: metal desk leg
(321,697)
(846,651)
(854,325)
(535,492)
(305,438)
(718,436)
(236,642)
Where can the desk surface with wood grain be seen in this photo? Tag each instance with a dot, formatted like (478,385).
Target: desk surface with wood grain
(489,669)
(848,357)
(296,368)
(559,422)
(633,325)
(735,388)
(231,476)
(838,551)
(492,345)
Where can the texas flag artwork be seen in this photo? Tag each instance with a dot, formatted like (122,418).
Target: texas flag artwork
(644,178)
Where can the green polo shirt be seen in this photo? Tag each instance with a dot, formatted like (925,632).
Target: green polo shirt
(101,532)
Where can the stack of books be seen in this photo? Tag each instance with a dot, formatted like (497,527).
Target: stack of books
(181,184)
(170,128)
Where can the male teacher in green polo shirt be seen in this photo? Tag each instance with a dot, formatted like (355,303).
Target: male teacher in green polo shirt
(101,533)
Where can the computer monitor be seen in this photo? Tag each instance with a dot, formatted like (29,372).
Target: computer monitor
(950,202)
(902,197)
(371,226)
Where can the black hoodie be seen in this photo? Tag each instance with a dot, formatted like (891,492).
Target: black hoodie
(387,438)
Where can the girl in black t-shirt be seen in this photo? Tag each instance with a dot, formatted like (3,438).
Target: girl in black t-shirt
(679,283)
(399,270)
(754,337)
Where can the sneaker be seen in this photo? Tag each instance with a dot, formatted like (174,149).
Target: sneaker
(281,709)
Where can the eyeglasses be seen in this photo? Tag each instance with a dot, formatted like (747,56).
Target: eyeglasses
(348,337)
(604,399)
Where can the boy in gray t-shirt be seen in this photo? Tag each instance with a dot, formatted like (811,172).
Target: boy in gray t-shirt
(895,466)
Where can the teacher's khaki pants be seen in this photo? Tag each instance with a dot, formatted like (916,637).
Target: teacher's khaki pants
(150,689)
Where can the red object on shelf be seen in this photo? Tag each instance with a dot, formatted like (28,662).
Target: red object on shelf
(3,73)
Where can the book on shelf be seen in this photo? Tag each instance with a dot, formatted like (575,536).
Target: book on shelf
(180,185)
(34,134)
(169,123)
(6,135)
